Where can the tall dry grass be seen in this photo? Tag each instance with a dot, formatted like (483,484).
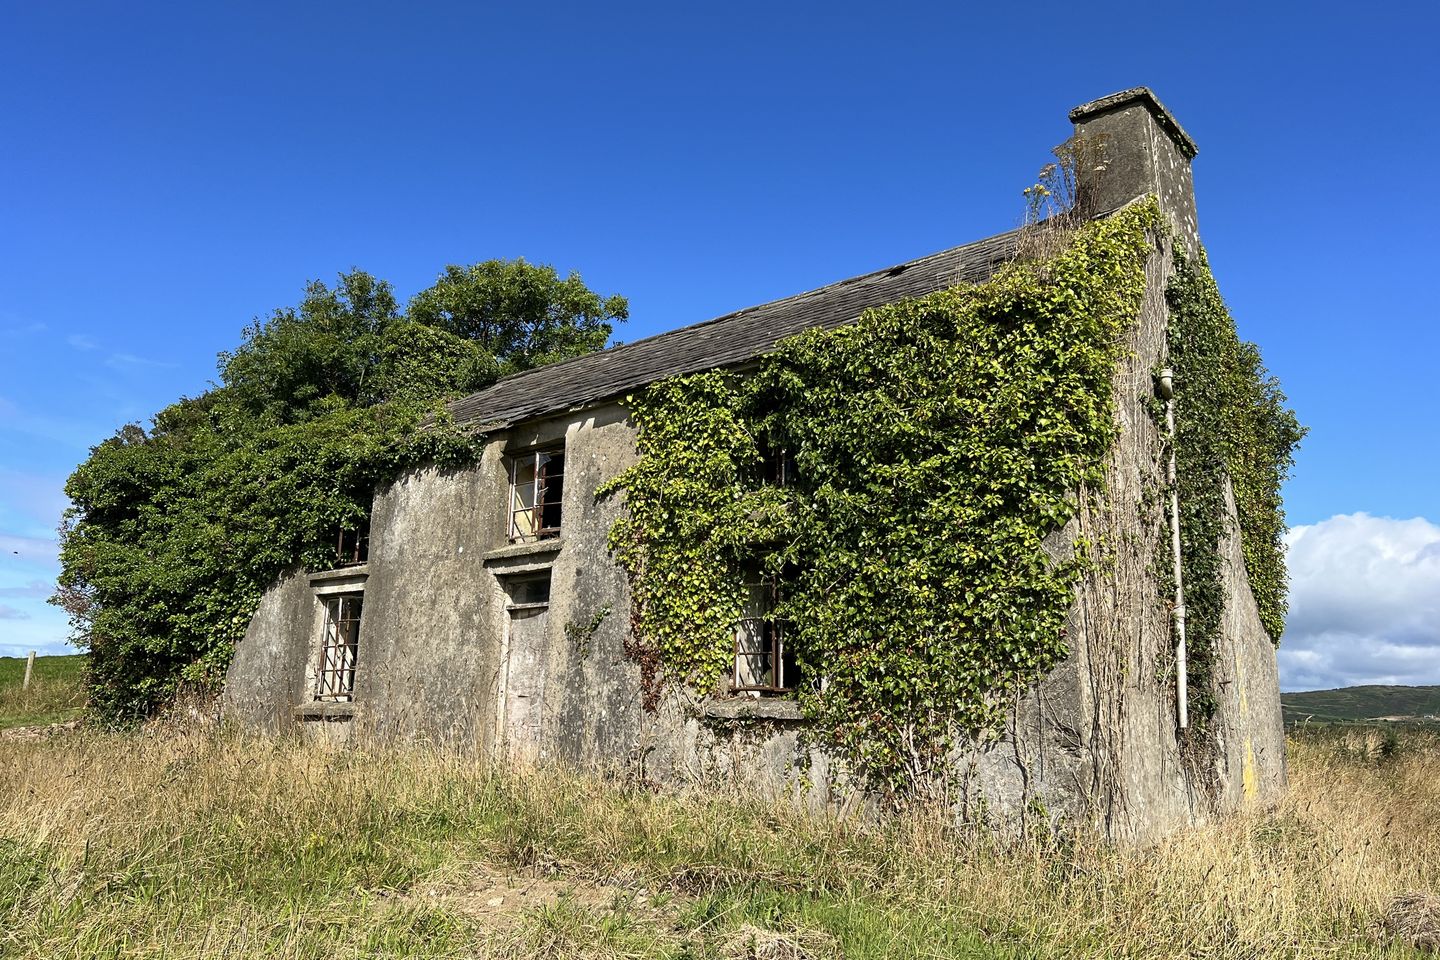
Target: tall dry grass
(193,845)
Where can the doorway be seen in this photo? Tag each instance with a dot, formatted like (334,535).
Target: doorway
(522,682)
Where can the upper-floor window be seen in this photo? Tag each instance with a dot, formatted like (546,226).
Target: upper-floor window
(777,468)
(537,487)
(352,547)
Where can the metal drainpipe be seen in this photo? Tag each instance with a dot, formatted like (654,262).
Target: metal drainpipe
(1182,693)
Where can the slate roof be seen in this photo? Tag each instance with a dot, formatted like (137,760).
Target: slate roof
(724,341)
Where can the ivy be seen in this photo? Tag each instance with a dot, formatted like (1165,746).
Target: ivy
(1232,424)
(938,443)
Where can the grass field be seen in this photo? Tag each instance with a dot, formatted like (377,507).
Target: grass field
(166,843)
(198,843)
(55,694)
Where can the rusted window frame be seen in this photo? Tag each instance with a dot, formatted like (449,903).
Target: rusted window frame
(339,648)
(352,547)
(542,485)
(773,631)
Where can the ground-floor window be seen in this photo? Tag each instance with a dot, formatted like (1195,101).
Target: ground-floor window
(763,665)
(335,679)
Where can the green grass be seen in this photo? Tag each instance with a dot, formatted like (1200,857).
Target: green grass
(197,844)
(1356,704)
(56,692)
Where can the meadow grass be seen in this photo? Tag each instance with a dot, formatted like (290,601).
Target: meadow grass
(56,692)
(168,843)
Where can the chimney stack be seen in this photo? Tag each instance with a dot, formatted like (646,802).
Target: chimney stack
(1135,147)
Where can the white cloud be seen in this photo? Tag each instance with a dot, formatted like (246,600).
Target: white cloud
(35,589)
(12,613)
(45,631)
(31,503)
(37,551)
(18,328)
(130,363)
(81,342)
(1364,603)
(66,433)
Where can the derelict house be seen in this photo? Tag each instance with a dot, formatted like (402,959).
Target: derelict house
(460,623)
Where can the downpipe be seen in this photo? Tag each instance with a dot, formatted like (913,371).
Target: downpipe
(1166,389)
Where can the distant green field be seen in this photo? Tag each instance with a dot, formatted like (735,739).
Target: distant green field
(56,692)
(1356,704)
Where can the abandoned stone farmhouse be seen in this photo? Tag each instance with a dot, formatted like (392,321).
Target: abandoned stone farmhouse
(487,611)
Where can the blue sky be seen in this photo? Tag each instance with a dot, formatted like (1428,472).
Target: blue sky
(169,172)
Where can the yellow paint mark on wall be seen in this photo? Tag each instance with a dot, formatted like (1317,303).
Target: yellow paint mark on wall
(1240,685)
(1249,781)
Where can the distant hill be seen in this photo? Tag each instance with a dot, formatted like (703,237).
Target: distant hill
(1350,704)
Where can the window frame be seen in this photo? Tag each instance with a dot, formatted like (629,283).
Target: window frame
(542,484)
(772,646)
(352,547)
(339,648)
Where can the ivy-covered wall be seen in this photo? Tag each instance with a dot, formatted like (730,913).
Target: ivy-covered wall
(941,445)
(1232,426)
(938,443)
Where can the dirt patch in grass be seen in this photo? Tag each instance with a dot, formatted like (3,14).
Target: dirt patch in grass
(1414,920)
(500,898)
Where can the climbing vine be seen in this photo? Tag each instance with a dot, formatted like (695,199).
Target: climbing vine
(1232,423)
(938,443)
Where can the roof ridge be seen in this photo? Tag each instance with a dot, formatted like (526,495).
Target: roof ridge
(736,314)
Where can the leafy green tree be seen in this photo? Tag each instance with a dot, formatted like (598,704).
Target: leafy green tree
(176,532)
(289,365)
(524,315)
(416,363)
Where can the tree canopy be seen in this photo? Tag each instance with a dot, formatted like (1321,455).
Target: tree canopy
(175,532)
(523,315)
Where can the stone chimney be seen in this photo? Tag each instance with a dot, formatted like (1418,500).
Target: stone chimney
(1131,146)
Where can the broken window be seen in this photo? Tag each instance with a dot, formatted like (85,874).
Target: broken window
(528,591)
(352,547)
(763,665)
(537,486)
(777,468)
(335,680)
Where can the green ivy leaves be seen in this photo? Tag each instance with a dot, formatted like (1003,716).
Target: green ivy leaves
(938,442)
(1232,423)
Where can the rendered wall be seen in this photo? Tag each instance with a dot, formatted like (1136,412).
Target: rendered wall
(1095,740)
(266,678)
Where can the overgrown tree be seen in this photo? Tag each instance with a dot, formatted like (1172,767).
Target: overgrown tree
(524,315)
(176,531)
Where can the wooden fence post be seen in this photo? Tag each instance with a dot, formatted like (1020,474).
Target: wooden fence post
(29,666)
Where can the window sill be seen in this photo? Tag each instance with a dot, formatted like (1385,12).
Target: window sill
(753,708)
(525,551)
(326,710)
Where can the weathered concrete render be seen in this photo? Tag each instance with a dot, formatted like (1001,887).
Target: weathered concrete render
(443,655)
